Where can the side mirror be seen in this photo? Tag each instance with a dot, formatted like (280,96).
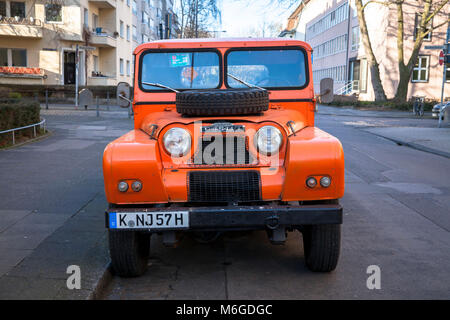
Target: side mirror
(123,95)
(326,90)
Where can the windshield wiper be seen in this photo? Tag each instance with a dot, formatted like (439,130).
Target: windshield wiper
(159,86)
(245,83)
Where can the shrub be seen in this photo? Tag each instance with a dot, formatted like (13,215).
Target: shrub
(15,95)
(18,114)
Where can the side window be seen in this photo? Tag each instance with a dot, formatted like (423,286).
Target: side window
(19,57)
(421,69)
(53,13)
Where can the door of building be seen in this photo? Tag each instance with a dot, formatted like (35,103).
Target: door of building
(69,67)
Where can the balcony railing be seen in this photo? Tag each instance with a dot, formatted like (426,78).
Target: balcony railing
(23,21)
(20,27)
(103,38)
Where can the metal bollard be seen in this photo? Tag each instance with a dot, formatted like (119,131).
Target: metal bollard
(98,113)
(46,99)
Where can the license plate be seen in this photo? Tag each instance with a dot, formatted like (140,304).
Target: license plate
(149,220)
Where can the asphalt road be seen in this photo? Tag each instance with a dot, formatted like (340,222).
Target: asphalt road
(396,216)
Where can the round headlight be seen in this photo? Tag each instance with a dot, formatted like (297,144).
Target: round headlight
(177,141)
(268,140)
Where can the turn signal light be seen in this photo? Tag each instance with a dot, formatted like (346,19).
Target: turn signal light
(311,182)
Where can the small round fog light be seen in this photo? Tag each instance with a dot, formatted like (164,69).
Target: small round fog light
(311,182)
(123,186)
(325,182)
(136,186)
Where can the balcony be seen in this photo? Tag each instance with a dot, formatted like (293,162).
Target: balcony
(103,38)
(20,27)
(102,80)
(105,4)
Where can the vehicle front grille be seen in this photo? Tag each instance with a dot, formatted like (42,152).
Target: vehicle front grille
(224,186)
(232,150)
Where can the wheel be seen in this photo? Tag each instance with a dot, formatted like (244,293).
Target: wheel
(129,252)
(222,102)
(321,245)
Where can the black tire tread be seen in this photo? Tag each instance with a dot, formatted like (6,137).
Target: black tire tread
(129,252)
(222,102)
(322,247)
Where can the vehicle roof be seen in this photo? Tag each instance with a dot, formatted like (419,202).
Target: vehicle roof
(220,43)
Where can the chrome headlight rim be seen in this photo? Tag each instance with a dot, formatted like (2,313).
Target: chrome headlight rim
(188,142)
(263,150)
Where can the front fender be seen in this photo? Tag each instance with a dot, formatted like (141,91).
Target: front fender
(313,152)
(133,156)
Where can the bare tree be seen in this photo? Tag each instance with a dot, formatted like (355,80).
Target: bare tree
(430,10)
(196,16)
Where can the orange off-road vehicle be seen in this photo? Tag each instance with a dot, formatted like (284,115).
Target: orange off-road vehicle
(223,140)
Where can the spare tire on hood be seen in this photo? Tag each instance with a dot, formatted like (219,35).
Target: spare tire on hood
(218,102)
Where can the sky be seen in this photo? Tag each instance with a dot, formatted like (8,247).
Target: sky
(239,17)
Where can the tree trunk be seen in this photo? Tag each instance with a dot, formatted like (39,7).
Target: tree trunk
(378,89)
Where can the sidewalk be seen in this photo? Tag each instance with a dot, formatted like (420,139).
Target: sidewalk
(432,140)
(52,206)
(420,133)
(347,111)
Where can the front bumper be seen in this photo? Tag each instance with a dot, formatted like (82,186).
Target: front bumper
(243,217)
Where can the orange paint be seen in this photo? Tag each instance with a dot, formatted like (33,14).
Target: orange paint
(140,154)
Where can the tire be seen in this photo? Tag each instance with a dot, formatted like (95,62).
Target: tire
(322,244)
(129,252)
(222,102)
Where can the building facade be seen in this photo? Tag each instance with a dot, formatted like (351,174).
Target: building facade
(331,27)
(39,40)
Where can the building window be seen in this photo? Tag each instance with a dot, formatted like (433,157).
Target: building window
(94,21)
(86,17)
(128,67)
(363,82)
(19,57)
(95,63)
(134,8)
(134,33)
(53,13)
(416,29)
(355,38)
(128,2)
(3,8)
(420,70)
(3,57)
(128,32)
(17,9)
(121,28)
(121,67)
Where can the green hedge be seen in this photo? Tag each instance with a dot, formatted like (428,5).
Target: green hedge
(14,114)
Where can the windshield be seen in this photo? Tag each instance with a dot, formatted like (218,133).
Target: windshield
(180,70)
(267,68)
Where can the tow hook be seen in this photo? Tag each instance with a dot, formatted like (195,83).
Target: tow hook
(272,222)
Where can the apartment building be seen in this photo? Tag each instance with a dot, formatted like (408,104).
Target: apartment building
(331,27)
(39,40)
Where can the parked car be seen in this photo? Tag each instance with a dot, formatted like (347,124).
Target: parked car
(437,108)
(223,140)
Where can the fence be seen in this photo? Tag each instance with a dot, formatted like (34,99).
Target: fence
(34,125)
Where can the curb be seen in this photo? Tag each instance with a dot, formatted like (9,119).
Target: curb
(375,116)
(414,146)
(102,284)
(42,137)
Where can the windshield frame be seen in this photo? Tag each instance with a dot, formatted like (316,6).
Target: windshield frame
(305,53)
(168,50)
